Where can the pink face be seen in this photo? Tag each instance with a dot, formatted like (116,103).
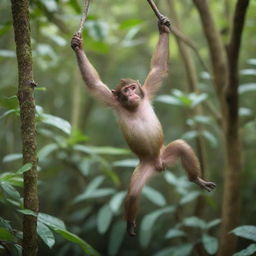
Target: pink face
(130,91)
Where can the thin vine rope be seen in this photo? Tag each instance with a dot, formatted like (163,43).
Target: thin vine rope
(84,16)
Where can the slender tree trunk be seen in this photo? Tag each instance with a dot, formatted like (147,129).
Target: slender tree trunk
(225,73)
(20,13)
(231,199)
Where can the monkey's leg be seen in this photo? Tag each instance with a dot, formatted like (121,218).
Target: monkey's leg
(140,176)
(179,149)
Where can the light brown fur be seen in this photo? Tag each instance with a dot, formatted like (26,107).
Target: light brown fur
(139,123)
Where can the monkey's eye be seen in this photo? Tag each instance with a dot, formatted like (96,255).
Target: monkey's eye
(133,87)
(125,90)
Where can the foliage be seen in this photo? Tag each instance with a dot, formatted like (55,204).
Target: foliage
(84,166)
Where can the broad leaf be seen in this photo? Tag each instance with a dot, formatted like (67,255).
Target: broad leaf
(173,233)
(194,222)
(104,218)
(75,239)
(51,221)
(24,168)
(45,234)
(116,201)
(210,244)
(182,250)
(154,196)
(6,235)
(189,197)
(248,232)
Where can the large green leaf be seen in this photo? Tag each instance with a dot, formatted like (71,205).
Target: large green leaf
(154,196)
(116,237)
(210,244)
(104,218)
(250,87)
(10,191)
(51,221)
(75,239)
(213,223)
(148,222)
(45,234)
(247,231)
(57,122)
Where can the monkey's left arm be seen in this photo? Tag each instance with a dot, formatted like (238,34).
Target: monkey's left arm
(159,62)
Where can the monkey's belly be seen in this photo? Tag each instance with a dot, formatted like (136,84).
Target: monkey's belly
(144,137)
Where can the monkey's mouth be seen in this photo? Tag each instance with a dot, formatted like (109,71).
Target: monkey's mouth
(134,97)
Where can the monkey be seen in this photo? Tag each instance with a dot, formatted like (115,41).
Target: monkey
(132,103)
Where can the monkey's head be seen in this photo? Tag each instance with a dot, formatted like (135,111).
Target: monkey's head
(129,93)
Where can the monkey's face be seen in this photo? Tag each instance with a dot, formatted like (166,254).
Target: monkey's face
(130,95)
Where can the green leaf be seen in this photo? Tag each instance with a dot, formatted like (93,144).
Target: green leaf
(248,72)
(51,221)
(26,167)
(210,244)
(46,150)
(9,102)
(252,61)
(127,24)
(194,222)
(250,87)
(116,237)
(8,112)
(95,194)
(210,137)
(213,223)
(57,122)
(146,228)
(75,239)
(190,135)
(10,191)
(101,150)
(104,218)
(154,196)
(189,197)
(182,250)
(126,163)
(6,235)
(247,232)
(168,99)
(197,98)
(174,233)
(12,157)
(250,250)
(27,212)
(45,234)
(7,54)
(116,201)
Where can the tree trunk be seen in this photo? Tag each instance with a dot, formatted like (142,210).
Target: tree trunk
(225,73)
(231,199)
(20,13)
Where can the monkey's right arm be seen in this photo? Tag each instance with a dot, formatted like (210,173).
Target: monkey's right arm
(89,73)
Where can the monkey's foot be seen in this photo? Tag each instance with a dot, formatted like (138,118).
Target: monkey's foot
(209,186)
(131,225)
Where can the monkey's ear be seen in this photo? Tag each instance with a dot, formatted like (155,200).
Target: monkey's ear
(114,92)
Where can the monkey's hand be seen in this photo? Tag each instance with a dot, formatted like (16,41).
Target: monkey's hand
(77,42)
(164,24)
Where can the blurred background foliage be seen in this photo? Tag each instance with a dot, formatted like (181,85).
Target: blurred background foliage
(84,164)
